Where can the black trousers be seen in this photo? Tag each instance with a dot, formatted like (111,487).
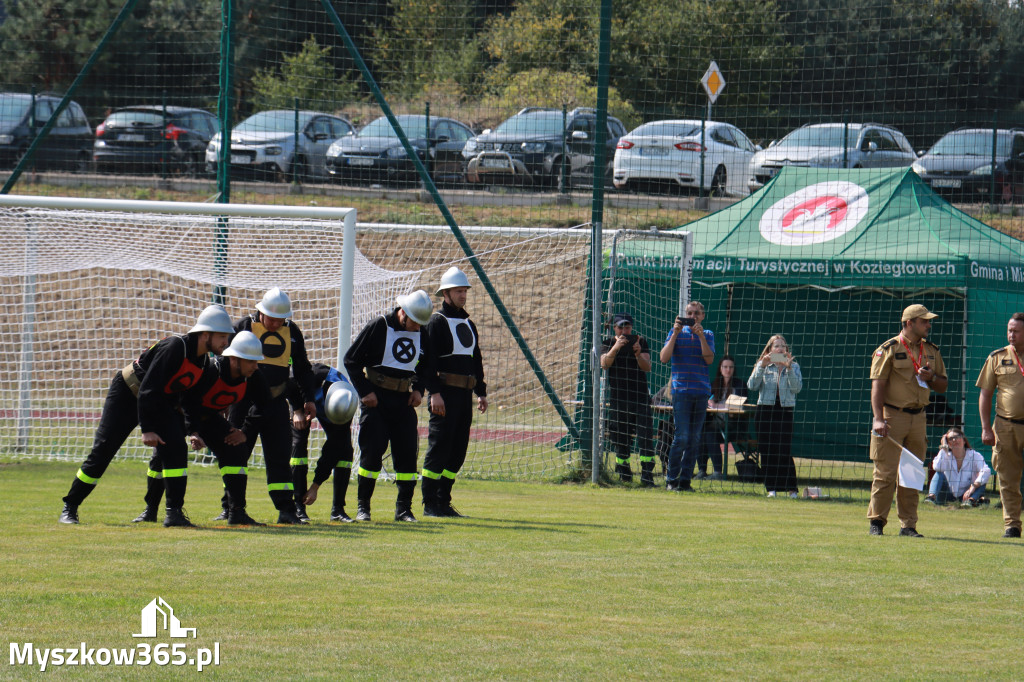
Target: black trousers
(119,418)
(448,436)
(275,436)
(392,421)
(626,420)
(774,425)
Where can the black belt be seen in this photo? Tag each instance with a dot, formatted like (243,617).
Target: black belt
(1007,419)
(908,410)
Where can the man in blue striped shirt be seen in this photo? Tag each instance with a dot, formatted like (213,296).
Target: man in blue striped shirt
(691,349)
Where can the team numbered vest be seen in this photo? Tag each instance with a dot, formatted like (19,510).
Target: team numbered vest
(401,350)
(277,346)
(463,338)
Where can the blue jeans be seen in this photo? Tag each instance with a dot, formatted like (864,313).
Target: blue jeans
(688,411)
(942,492)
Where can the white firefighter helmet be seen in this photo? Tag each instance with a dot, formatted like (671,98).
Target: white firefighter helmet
(452,277)
(275,303)
(341,402)
(416,305)
(213,319)
(245,345)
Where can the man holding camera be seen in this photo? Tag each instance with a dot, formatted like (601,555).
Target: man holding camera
(627,360)
(691,350)
(904,372)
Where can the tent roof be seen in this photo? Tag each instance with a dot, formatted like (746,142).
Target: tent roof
(877,227)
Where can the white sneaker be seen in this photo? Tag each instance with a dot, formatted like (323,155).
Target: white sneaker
(771,493)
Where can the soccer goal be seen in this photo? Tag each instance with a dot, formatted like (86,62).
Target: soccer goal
(90,284)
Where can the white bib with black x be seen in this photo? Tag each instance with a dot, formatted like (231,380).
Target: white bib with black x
(401,350)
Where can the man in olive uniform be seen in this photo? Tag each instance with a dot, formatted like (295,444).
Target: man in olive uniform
(283,347)
(389,364)
(1004,371)
(146,393)
(455,343)
(904,372)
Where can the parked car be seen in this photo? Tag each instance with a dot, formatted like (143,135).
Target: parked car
(148,138)
(265,144)
(960,165)
(376,154)
(668,154)
(868,145)
(528,148)
(68,144)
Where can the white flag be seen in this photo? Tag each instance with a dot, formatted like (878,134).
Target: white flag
(911,474)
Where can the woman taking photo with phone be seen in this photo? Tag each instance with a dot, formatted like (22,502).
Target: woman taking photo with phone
(777,379)
(960,472)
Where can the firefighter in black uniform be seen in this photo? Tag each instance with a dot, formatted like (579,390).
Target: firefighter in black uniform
(283,345)
(146,393)
(336,453)
(453,339)
(234,380)
(390,350)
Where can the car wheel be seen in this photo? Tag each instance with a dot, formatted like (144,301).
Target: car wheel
(718,182)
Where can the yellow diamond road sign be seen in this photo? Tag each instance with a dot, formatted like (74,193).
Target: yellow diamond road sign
(713,82)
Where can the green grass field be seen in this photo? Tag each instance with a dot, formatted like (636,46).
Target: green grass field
(543,582)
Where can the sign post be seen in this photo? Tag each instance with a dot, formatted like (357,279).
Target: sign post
(713,83)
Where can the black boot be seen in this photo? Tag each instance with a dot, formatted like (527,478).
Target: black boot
(176,517)
(285,507)
(623,470)
(364,491)
(299,472)
(148,515)
(647,472)
(78,492)
(444,498)
(225,506)
(403,505)
(69,513)
(300,511)
(340,482)
(238,517)
(429,489)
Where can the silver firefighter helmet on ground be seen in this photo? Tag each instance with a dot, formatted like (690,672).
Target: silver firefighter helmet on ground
(416,305)
(340,403)
(452,277)
(275,303)
(213,319)
(245,345)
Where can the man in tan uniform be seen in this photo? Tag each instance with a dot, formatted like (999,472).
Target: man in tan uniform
(1004,370)
(904,372)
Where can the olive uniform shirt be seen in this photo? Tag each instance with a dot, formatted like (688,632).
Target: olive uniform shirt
(893,364)
(1001,371)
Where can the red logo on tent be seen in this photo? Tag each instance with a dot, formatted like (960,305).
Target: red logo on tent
(811,212)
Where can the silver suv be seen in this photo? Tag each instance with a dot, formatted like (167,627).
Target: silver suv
(868,145)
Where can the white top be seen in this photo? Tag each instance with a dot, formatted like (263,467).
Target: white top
(973,470)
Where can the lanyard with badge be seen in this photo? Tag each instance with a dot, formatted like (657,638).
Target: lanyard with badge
(1017,358)
(917,363)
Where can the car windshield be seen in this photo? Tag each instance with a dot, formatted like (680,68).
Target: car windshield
(667,129)
(273,122)
(134,118)
(818,136)
(12,109)
(532,125)
(972,143)
(413,125)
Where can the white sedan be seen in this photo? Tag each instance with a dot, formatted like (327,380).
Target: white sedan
(668,153)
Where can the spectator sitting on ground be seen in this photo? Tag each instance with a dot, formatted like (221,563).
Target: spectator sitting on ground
(960,472)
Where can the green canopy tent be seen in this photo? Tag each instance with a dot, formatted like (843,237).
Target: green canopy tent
(829,258)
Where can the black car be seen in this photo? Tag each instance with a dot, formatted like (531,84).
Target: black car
(959,165)
(68,144)
(152,139)
(528,148)
(375,153)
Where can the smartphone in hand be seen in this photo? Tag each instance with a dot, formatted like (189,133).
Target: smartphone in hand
(686,321)
(778,357)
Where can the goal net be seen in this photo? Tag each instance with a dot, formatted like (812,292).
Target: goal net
(91,284)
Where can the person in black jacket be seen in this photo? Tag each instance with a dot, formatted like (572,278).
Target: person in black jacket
(388,364)
(335,455)
(146,393)
(283,347)
(725,384)
(459,373)
(627,359)
(234,380)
